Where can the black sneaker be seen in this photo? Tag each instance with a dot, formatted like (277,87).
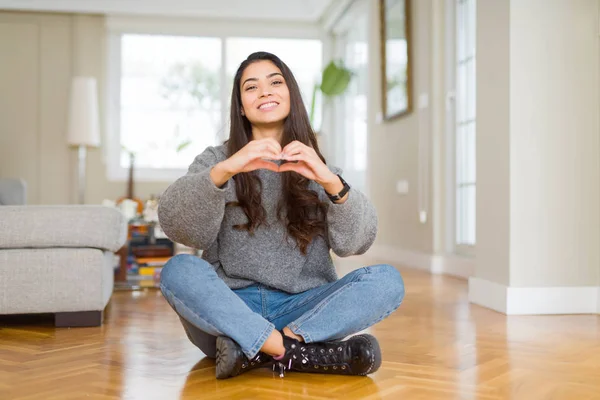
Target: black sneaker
(359,355)
(231,360)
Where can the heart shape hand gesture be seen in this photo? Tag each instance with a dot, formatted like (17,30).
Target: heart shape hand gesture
(297,157)
(266,153)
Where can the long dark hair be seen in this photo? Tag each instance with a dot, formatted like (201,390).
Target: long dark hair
(304,212)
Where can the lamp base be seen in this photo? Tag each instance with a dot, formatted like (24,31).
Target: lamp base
(82,158)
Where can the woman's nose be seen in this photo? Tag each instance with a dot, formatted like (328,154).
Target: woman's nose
(264,92)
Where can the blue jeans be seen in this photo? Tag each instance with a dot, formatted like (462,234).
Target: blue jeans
(208,308)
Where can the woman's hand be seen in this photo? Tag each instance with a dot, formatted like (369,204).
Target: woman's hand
(251,157)
(254,156)
(305,161)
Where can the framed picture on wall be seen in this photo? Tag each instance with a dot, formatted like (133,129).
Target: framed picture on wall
(396,77)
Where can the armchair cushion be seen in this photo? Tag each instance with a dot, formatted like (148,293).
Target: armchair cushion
(79,226)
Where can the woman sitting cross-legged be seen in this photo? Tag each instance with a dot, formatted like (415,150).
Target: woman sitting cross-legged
(266,210)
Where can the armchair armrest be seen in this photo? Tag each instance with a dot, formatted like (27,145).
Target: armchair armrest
(79,226)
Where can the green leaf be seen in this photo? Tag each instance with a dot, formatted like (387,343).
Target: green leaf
(335,79)
(183,145)
(312,105)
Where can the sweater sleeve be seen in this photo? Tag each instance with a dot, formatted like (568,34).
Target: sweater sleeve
(353,224)
(191,210)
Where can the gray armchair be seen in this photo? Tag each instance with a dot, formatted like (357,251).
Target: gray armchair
(57,259)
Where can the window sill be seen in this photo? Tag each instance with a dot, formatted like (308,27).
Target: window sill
(120,174)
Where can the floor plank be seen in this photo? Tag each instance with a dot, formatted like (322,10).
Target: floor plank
(435,346)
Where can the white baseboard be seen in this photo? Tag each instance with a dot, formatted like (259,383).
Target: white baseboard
(534,300)
(487,294)
(437,264)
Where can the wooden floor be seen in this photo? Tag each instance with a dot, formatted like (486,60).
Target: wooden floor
(436,346)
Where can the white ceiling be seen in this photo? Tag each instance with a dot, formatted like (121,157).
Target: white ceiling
(274,10)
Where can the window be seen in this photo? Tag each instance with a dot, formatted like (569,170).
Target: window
(169,95)
(349,143)
(355,103)
(170,99)
(465,179)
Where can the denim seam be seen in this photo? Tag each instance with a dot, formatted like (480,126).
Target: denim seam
(354,279)
(175,299)
(295,326)
(263,300)
(261,341)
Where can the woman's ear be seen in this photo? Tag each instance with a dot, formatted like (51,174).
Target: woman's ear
(243,113)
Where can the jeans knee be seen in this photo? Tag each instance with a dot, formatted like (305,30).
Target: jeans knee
(181,269)
(390,282)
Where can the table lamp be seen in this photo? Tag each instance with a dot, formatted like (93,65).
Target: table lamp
(83,125)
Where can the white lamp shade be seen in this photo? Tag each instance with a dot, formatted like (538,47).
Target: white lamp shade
(83,129)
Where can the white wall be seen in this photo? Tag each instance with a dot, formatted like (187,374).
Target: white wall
(538,156)
(393,145)
(493,140)
(554,143)
(34,77)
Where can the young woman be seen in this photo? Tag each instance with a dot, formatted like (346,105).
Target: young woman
(266,210)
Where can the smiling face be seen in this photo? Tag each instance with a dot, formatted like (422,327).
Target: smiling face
(264,94)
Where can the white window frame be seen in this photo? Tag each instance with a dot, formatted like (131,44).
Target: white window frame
(452,111)
(118,26)
(341,145)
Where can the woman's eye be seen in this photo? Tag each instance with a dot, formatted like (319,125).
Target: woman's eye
(277,82)
(250,87)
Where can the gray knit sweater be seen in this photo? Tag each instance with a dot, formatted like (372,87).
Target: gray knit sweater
(192,212)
